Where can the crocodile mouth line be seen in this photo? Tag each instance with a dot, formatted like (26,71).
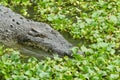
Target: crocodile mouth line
(35,45)
(42,47)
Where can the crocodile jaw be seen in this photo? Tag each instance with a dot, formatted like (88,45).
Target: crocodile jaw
(44,37)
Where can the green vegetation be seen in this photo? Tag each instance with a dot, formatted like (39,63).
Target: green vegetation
(95,22)
(95,67)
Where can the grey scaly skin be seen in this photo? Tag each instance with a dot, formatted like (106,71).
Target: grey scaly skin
(15,29)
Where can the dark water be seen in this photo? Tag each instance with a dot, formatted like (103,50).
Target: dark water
(38,53)
(74,42)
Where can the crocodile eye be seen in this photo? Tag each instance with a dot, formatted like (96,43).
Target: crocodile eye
(34,33)
(40,35)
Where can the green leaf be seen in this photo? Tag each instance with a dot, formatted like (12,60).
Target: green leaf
(113,19)
(83,48)
(114,76)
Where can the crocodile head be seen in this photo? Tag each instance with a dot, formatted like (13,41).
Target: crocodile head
(42,36)
(15,29)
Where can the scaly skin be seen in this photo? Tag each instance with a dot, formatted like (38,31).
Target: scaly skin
(15,29)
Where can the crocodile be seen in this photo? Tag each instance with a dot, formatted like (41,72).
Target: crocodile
(16,29)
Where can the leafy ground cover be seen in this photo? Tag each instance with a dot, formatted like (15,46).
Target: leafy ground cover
(95,22)
(95,67)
